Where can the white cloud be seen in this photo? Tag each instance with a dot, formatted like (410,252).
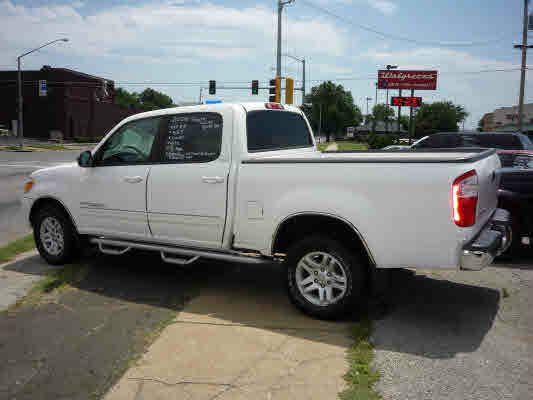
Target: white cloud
(384,6)
(163,30)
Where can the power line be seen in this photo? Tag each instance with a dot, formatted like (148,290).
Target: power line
(373,77)
(94,84)
(391,36)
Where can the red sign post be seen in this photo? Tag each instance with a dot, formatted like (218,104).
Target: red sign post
(415,80)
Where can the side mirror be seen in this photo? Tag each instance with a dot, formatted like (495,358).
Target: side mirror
(85,159)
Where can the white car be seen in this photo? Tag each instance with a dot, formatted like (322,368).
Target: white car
(245,183)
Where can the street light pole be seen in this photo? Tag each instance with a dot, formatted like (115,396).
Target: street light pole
(367,100)
(281,4)
(19,85)
(20,131)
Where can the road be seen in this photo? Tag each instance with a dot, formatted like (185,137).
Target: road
(15,167)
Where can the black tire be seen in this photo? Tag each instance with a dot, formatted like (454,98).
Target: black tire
(516,247)
(70,245)
(352,264)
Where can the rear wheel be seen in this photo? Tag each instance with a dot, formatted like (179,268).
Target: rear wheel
(325,279)
(55,237)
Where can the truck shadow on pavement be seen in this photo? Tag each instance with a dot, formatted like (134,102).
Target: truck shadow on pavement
(435,318)
(423,315)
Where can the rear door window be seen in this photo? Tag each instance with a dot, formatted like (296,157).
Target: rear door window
(192,138)
(275,130)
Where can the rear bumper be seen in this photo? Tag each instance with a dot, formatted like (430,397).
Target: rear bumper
(493,240)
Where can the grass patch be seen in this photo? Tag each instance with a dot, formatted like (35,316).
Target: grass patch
(86,139)
(13,148)
(13,249)
(322,146)
(361,377)
(350,146)
(344,146)
(57,279)
(47,146)
(35,147)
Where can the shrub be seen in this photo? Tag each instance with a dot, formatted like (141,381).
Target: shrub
(380,141)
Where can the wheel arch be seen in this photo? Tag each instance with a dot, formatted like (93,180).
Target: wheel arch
(49,201)
(318,222)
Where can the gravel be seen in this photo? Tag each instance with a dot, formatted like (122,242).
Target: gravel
(458,335)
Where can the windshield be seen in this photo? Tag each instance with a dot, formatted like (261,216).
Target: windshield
(276,130)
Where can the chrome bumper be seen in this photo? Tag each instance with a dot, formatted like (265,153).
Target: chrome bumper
(492,241)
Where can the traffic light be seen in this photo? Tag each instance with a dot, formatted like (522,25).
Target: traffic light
(255,87)
(212,87)
(289,90)
(275,90)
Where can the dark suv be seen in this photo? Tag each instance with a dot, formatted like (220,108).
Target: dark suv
(507,143)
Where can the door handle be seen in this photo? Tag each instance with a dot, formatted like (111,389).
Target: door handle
(133,179)
(213,179)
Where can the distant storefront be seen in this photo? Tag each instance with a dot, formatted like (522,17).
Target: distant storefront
(73,104)
(506,119)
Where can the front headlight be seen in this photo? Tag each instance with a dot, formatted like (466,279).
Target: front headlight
(28,185)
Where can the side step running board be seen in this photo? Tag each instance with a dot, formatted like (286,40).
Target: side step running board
(178,260)
(185,255)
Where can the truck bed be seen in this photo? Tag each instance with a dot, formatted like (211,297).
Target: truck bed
(465,155)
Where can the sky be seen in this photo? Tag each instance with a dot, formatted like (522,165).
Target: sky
(177,46)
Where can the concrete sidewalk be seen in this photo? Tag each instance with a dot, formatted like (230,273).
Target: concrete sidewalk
(240,338)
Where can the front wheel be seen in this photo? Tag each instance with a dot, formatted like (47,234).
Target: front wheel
(55,237)
(325,279)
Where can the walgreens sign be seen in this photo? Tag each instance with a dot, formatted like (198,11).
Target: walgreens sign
(417,80)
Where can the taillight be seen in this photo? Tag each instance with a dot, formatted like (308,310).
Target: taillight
(464,199)
(274,106)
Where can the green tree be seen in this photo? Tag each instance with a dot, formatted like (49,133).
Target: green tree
(441,116)
(148,99)
(338,109)
(404,122)
(127,99)
(153,100)
(480,125)
(380,112)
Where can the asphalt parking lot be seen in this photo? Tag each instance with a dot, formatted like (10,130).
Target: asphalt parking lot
(443,335)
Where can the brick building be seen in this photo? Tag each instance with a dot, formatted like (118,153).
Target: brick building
(506,119)
(75,105)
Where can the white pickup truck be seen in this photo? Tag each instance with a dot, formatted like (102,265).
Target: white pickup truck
(245,183)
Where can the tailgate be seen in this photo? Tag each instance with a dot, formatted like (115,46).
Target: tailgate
(489,183)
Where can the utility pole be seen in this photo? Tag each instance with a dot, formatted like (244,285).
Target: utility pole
(411,126)
(303,80)
(524,48)
(281,4)
(320,120)
(399,112)
(367,100)
(389,67)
